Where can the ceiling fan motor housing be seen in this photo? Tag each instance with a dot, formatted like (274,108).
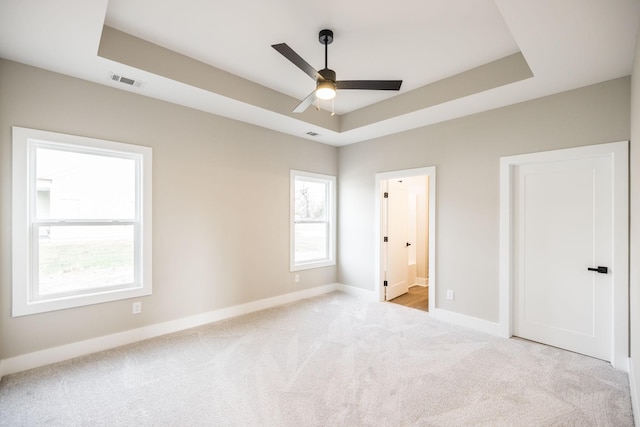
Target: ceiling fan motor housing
(328,74)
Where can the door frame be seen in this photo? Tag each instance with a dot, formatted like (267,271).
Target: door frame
(618,153)
(429,171)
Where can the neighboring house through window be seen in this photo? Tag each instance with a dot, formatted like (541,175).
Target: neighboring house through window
(313,212)
(81,221)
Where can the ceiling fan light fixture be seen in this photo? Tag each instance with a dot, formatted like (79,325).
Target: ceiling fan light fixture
(326,90)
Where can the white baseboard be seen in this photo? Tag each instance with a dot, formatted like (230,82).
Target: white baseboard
(422,281)
(357,292)
(482,325)
(492,328)
(69,351)
(633,386)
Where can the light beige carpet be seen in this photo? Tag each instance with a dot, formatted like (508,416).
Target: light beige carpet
(333,360)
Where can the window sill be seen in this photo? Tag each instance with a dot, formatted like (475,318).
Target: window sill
(311,265)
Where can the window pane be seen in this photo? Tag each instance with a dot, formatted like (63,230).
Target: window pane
(311,200)
(311,242)
(72,185)
(312,220)
(77,258)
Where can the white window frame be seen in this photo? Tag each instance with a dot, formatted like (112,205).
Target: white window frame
(331,211)
(24,184)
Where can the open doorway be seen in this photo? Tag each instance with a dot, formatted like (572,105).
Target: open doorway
(405,230)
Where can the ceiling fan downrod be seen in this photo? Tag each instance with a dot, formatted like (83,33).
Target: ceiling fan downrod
(326,38)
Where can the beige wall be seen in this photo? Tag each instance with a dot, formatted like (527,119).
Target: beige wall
(466,154)
(221,197)
(634,250)
(220,204)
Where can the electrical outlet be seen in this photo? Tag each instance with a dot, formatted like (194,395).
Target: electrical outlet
(136,308)
(296,278)
(451,295)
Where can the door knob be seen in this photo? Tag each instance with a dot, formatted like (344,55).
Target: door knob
(603,270)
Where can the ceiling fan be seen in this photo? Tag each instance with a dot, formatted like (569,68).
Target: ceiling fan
(326,83)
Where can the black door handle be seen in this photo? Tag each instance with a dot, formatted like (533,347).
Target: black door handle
(408,244)
(603,270)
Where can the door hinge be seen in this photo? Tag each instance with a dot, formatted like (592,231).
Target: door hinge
(386,195)
(385,239)
(385,283)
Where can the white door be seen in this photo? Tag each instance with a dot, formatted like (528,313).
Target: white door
(397,228)
(563,216)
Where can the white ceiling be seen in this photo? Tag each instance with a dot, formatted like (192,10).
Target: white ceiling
(566,43)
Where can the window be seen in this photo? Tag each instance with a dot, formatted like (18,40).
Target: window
(313,212)
(81,221)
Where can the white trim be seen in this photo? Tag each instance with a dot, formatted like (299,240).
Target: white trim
(68,351)
(23,273)
(378,267)
(476,323)
(331,200)
(619,155)
(633,386)
(422,281)
(365,294)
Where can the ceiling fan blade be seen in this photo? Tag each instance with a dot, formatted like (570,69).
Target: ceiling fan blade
(369,84)
(297,60)
(305,103)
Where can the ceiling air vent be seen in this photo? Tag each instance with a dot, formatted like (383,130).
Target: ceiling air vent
(125,80)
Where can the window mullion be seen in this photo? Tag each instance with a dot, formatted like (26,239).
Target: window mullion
(80,222)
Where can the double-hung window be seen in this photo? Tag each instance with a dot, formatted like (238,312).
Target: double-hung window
(313,212)
(81,221)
